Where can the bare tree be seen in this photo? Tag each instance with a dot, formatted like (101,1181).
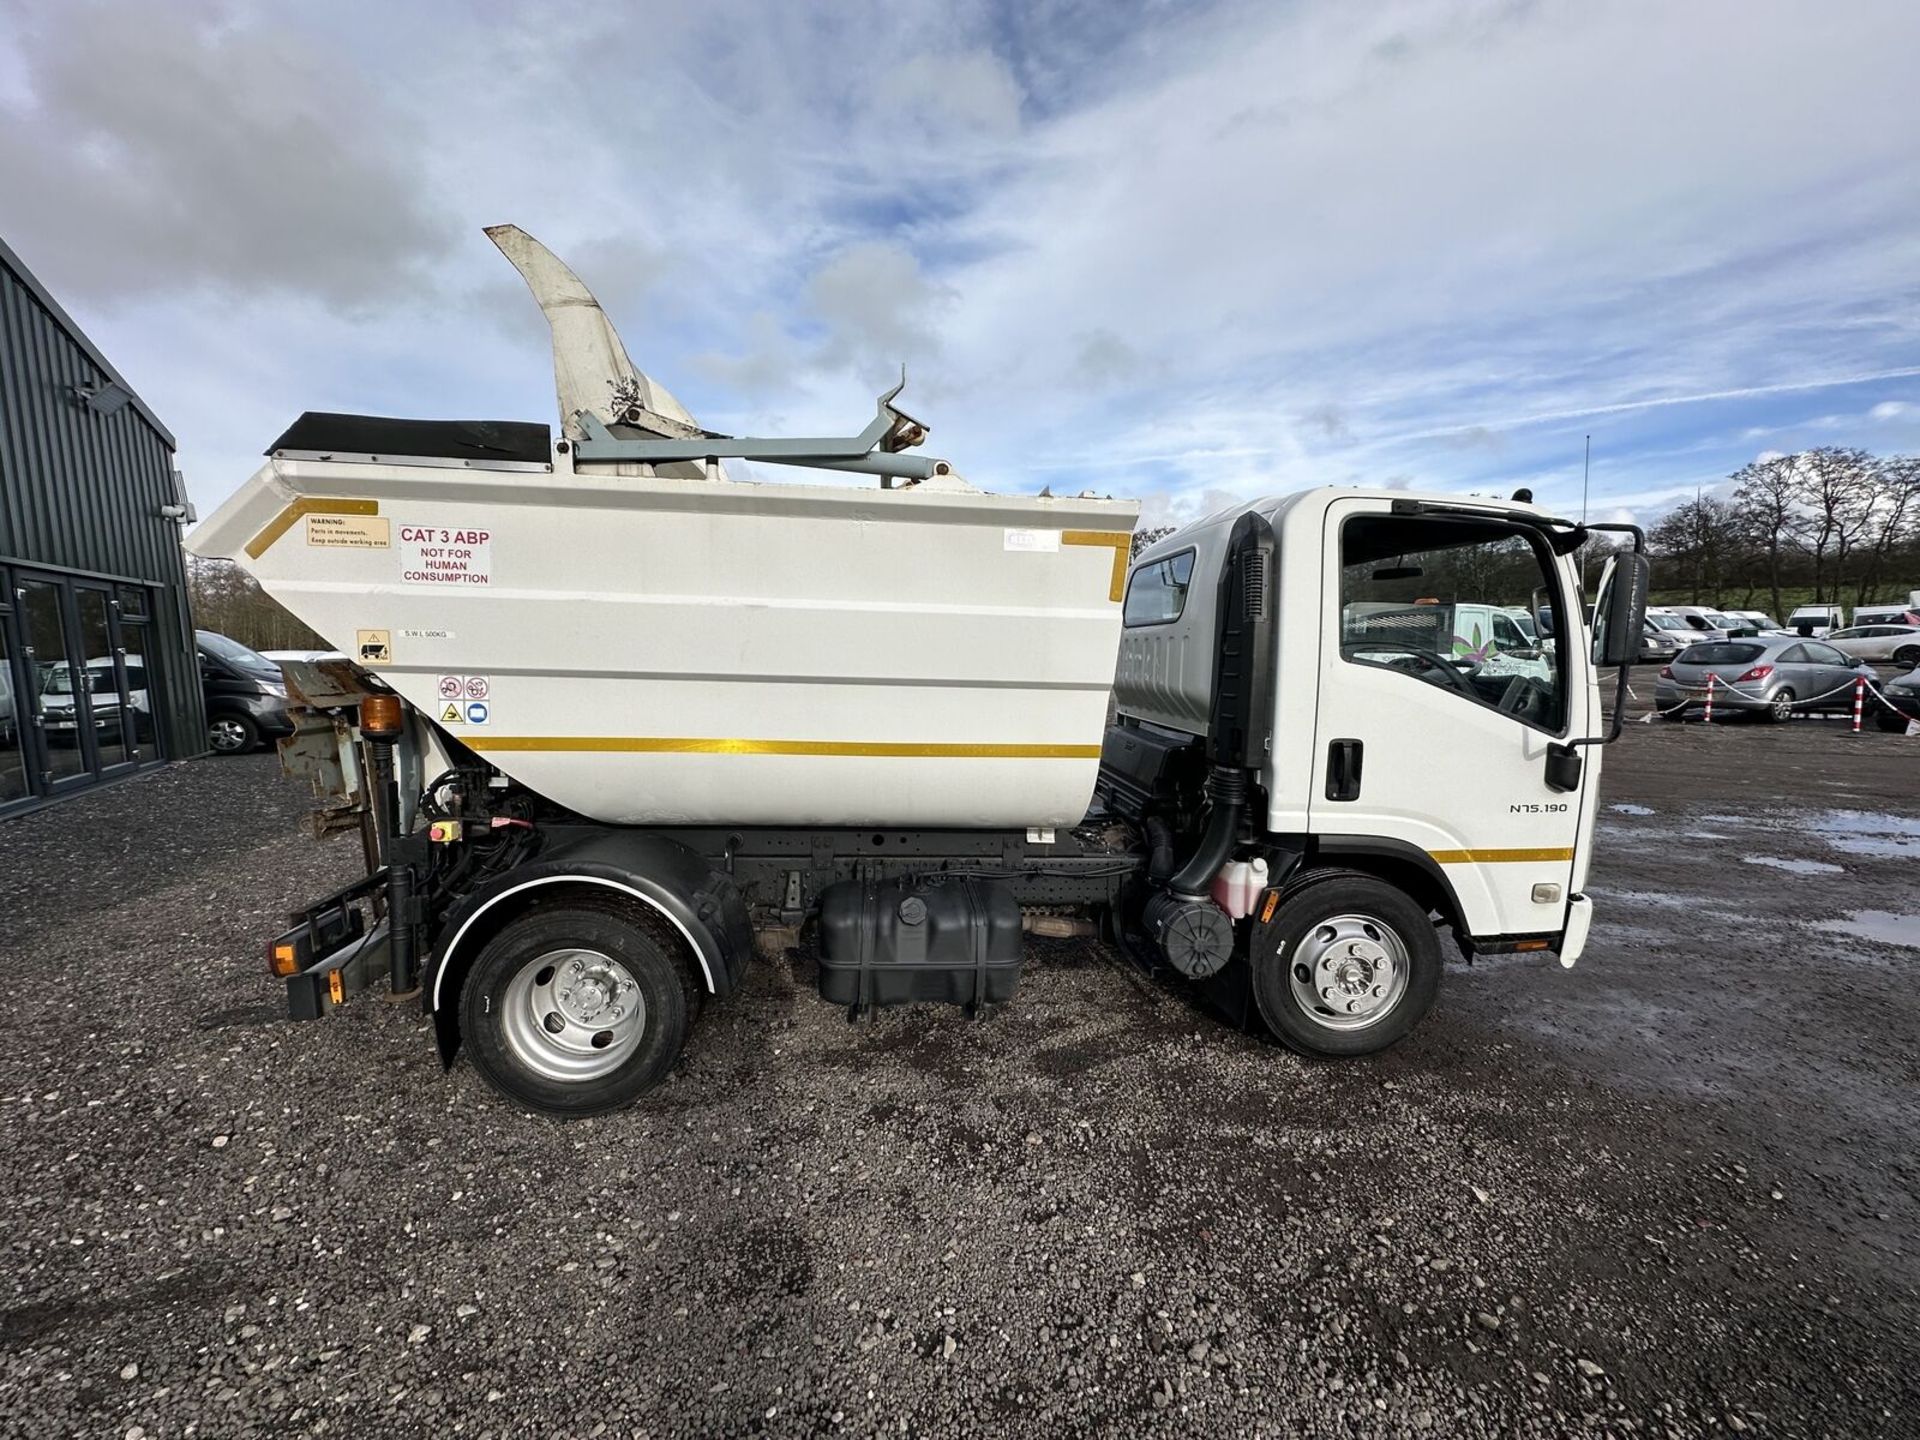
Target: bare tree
(1764,497)
(226,599)
(1836,487)
(1893,514)
(1704,538)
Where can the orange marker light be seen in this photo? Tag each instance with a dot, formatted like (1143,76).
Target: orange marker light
(336,987)
(1530,944)
(284,961)
(1266,910)
(382,717)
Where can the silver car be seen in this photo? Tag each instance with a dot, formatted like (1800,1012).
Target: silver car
(1898,643)
(1902,695)
(1770,675)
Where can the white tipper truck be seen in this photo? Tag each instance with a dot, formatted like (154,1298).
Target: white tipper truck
(612,709)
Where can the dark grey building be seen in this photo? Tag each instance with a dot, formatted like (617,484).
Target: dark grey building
(98,675)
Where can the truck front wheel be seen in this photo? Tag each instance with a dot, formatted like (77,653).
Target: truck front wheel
(1346,966)
(576,1011)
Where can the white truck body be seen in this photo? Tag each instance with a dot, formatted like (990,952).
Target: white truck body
(684,651)
(613,707)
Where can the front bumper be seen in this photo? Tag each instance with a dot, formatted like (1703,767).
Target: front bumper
(1668,696)
(1573,943)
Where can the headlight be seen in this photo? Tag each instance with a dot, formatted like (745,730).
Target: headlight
(267,687)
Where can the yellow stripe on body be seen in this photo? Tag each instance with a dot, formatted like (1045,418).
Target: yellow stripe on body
(1499,857)
(1122,543)
(671,745)
(305,505)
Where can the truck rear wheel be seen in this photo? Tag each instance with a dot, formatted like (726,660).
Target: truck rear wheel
(575,1011)
(1347,966)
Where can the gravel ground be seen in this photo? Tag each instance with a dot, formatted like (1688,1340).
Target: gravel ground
(1670,1192)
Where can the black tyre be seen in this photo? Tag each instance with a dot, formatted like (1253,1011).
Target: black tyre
(1347,966)
(1907,656)
(576,1010)
(232,734)
(1780,707)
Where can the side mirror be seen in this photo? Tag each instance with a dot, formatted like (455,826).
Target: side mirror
(1624,611)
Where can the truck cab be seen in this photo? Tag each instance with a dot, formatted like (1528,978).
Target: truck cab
(1399,744)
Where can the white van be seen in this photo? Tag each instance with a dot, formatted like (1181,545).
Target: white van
(1885,614)
(1689,618)
(1483,639)
(1816,620)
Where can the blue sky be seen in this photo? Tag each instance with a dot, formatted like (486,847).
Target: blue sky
(1189,253)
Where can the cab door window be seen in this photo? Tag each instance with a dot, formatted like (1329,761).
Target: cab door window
(1426,598)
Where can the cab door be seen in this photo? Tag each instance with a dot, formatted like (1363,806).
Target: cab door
(1422,744)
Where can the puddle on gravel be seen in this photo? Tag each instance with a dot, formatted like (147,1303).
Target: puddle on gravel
(1863,832)
(1797,867)
(1639,897)
(1881,926)
(1633,810)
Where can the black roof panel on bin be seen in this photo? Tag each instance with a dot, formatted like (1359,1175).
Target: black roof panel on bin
(323,433)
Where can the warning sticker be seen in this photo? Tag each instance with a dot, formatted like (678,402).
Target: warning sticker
(477,687)
(350,532)
(478,712)
(1032,542)
(440,555)
(452,687)
(449,714)
(373,647)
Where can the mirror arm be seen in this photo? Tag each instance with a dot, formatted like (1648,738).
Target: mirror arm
(1622,673)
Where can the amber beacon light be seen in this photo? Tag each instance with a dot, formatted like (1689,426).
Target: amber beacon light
(381,717)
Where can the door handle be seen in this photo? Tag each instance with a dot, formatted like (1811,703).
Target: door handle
(1343,769)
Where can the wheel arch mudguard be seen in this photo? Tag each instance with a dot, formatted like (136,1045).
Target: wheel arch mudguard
(702,904)
(1399,863)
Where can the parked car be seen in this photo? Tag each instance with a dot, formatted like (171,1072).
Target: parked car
(1898,643)
(303,655)
(1816,620)
(245,692)
(1761,621)
(1886,615)
(1771,675)
(1659,645)
(1688,620)
(1903,697)
(1714,624)
(60,701)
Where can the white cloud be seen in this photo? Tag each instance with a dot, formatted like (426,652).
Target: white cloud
(1179,253)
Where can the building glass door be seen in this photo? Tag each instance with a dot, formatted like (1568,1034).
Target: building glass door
(15,775)
(102,679)
(57,712)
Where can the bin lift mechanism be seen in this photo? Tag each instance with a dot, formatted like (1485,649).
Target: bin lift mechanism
(891,431)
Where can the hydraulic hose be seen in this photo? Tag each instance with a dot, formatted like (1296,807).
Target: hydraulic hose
(1159,849)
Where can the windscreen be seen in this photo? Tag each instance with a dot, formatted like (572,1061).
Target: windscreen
(233,652)
(1430,598)
(1722,654)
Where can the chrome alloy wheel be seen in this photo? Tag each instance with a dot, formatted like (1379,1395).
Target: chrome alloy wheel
(226,735)
(572,1015)
(1349,971)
